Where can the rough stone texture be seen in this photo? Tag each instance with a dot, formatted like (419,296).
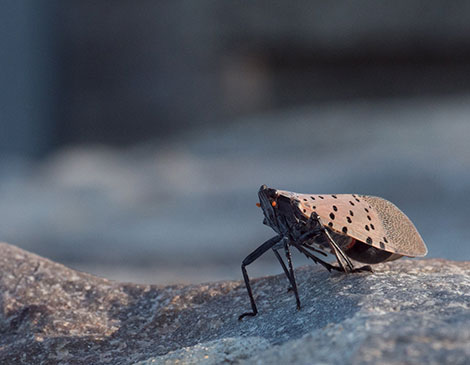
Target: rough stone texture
(407,312)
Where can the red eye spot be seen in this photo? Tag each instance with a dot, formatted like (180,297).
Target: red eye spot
(258,205)
(273,204)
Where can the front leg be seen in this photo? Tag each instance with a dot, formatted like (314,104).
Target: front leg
(248,260)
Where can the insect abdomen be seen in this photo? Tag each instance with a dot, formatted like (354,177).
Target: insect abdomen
(367,254)
(356,249)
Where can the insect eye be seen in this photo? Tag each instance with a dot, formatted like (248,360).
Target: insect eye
(273,203)
(258,205)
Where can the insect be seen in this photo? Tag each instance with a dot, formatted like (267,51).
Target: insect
(363,228)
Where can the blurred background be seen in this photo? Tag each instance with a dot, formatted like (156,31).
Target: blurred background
(134,135)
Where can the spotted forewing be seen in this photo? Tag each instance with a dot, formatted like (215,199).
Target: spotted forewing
(372,220)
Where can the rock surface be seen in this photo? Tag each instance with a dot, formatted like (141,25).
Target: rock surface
(408,311)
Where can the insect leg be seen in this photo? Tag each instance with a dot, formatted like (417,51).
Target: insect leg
(306,237)
(292,274)
(304,250)
(248,260)
(284,267)
(343,261)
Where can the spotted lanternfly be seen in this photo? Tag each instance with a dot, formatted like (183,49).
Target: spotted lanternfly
(364,228)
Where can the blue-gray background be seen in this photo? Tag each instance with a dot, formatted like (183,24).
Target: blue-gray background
(135,135)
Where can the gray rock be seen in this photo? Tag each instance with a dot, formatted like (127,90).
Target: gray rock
(408,311)
(225,350)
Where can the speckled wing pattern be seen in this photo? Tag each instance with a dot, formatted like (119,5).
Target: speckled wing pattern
(372,220)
